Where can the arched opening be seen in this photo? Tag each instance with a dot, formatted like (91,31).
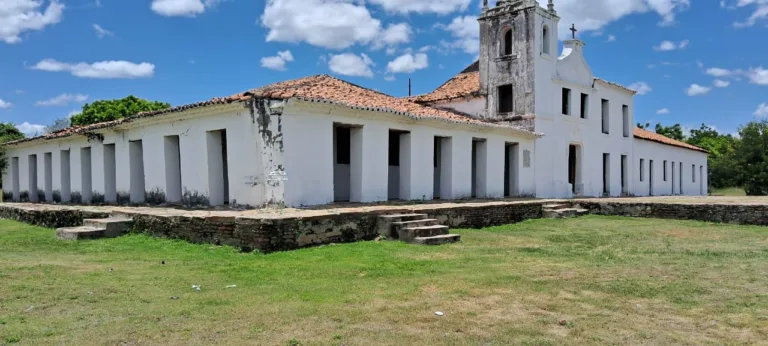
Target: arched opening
(545,40)
(507,44)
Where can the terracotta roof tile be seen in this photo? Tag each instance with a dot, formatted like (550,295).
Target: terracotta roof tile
(655,137)
(320,88)
(324,88)
(466,83)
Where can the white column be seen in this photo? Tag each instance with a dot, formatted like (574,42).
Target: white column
(457,153)
(417,165)
(65,171)
(154,162)
(494,171)
(171,153)
(369,163)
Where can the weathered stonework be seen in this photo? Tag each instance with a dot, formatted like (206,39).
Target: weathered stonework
(720,213)
(49,218)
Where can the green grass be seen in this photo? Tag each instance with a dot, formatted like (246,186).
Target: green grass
(594,280)
(730,191)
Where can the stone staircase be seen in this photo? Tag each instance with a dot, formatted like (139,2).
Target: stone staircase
(96,228)
(560,211)
(415,229)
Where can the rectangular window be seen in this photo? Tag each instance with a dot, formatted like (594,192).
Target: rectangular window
(642,169)
(566,101)
(605,116)
(625,115)
(506,99)
(606,174)
(693,173)
(665,170)
(394,148)
(624,178)
(584,106)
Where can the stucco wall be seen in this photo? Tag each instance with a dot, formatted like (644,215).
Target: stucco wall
(245,139)
(309,163)
(659,153)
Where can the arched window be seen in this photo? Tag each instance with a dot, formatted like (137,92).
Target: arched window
(545,40)
(507,44)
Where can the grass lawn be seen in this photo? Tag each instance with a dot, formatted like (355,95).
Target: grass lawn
(593,280)
(730,191)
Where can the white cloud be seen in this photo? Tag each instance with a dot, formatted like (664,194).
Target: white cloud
(663,111)
(422,6)
(73,113)
(334,24)
(277,62)
(19,16)
(183,8)
(611,38)
(31,129)
(349,64)
(760,12)
(642,88)
(466,32)
(696,89)
(719,72)
(100,70)
(666,46)
(63,100)
(408,63)
(719,83)
(762,110)
(393,35)
(4,105)
(19,91)
(101,32)
(594,15)
(758,76)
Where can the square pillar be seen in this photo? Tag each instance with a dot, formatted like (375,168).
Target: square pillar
(369,163)
(416,165)
(456,174)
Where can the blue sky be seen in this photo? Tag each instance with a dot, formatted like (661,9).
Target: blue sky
(696,61)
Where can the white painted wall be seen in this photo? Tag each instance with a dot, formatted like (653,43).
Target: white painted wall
(309,156)
(648,150)
(247,178)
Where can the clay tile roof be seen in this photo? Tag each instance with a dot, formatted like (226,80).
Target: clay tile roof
(76,130)
(466,83)
(324,88)
(655,137)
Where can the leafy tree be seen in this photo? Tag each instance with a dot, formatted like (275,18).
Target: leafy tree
(752,157)
(108,110)
(58,125)
(674,131)
(8,132)
(723,168)
(644,126)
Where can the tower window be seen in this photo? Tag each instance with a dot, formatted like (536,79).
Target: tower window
(508,42)
(566,101)
(506,99)
(545,40)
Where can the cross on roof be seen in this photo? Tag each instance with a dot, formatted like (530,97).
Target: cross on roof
(573,30)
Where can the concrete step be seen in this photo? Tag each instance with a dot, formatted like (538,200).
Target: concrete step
(437,240)
(79,233)
(384,222)
(555,206)
(114,226)
(408,234)
(399,226)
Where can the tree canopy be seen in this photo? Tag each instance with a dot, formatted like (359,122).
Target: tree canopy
(108,110)
(752,157)
(9,132)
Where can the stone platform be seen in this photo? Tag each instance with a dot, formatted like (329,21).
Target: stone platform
(276,229)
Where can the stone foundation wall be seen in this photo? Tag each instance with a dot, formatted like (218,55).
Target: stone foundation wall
(720,213)
(49,218)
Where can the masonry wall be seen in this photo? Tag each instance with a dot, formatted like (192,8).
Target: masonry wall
(671,184)
(310,164)
(252,139)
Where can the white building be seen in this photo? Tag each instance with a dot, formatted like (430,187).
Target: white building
(520,122)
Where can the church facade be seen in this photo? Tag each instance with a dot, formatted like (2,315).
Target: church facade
(523,121)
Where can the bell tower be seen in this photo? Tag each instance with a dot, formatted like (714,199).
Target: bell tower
(514,35)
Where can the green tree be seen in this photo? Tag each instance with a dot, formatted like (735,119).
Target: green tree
(108,110)
(8,132)
(723,168)
(752,157)
(674,131)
